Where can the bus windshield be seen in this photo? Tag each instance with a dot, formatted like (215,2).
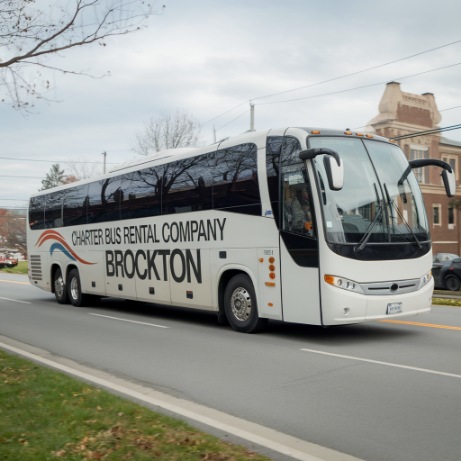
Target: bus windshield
(378,205)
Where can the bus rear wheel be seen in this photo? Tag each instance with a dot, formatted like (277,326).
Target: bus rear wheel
(59,287)
(240,305)
(74,289)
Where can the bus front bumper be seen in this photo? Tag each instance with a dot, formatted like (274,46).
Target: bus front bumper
(343,307)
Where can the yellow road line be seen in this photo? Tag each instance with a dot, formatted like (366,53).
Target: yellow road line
(420,324)
(14,281)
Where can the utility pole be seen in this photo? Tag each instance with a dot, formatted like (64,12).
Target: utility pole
(104,154)
(252,116)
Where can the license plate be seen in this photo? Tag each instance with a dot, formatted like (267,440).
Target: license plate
(394,308)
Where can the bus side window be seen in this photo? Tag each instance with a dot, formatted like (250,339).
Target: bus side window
(75,204)
(189,186)
(53,209)
(297,207)
(37,213)
(235,186)
(94,203)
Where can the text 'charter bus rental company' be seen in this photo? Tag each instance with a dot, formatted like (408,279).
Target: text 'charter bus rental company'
(317,227)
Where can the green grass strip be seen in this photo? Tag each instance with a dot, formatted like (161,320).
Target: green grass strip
(47,415)
(21,268)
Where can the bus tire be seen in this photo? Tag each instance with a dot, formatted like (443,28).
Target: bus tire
(59,287)
(240,305)
(74,289)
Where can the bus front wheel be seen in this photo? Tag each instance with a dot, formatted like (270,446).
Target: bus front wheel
(76,297)
(240,305)
(59,287)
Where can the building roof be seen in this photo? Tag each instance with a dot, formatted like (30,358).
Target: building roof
(450,142)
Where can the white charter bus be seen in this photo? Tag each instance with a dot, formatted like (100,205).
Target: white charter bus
(309,226)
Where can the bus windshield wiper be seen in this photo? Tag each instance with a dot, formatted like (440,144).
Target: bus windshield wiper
(364,240)
(393,206)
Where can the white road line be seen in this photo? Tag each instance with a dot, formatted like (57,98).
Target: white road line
(15,300)
(255,433)
(388,364)
(129,321)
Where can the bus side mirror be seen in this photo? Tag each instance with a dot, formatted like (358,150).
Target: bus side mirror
(332,162)
(448,175)
(449,181)
(335,172)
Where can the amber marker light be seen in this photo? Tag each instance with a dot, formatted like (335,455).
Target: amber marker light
(347,132)
(261,260)
(315,132)
(272,260)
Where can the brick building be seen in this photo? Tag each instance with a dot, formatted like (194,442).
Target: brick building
(402,115)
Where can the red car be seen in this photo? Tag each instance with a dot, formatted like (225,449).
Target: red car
(7,260)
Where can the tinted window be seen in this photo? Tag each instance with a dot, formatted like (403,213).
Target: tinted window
(235,180)
(75,205)
(94,203)
(224,180)
(188,185)
(53,210)
(280,151)
(142,194)
(37,213)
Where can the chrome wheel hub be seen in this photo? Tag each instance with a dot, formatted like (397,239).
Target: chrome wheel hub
(241,304)
(59,287)
(74,291)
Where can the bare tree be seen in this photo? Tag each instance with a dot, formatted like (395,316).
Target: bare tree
(168,131)
(84,170)
(31,31)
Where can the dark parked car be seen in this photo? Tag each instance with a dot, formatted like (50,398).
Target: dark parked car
(443,257)
(447,274)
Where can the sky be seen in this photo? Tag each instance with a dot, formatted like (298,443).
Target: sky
(318,63)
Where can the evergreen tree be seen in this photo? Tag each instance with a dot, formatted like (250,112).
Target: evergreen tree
(54,178)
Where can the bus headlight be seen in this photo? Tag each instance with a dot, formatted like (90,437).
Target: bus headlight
(425,279)
(342,282)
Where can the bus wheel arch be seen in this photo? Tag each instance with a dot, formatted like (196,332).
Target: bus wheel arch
(238,302)
(59,285)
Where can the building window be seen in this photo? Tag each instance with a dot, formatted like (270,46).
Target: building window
(418,153)
(436,210)
(451,216)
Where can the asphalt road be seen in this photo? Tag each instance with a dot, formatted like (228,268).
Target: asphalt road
(379,391)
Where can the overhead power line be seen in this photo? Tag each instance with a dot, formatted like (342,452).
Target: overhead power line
(357,72)
(360,87)
(22,177)
(335,78)
(51,161)
(427,132)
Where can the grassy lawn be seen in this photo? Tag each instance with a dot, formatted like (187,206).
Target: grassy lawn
(46,415)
